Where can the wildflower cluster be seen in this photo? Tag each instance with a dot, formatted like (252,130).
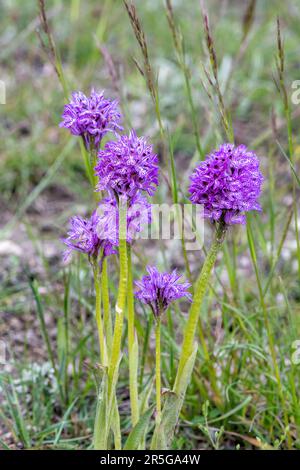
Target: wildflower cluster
(227,183)
(85,236)
(91,117)
(127,165)
(125,168)
(159,290)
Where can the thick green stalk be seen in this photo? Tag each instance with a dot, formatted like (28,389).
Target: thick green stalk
(106,306)
(102,346)
(107,410)
(200,289)
(157,371)
(122,293)
(132,347)
(115,355)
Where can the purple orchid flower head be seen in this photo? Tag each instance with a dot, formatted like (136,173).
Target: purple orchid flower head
(159,290)
(228,184)
(100,233)
(83,237)
(91,117)
(126,166)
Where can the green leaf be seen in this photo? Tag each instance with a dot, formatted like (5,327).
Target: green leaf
(144,405)
(64,421)
(240,406)
(61,347)
(164,432)
(289,162)
(137,433)
(145,396)
(101,419)
(106,412)
(19,423)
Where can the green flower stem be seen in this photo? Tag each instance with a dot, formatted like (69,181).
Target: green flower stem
(157,371)
(106,307)
(132,346)
(108,407)
(200,289)
(92,163)
(102,345)
(122,292)
(120,308)
(108,337)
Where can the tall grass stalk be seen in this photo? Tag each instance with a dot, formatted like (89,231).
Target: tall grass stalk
(280,62)
(180,52)
(41,314)
(54,57)
(50,48)
(146,71)
(174,187)
(213,78)
(224,112)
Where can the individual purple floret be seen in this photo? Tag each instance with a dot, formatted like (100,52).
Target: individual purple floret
(228,184)
(127,165)
(159,290)
(138,217)
(91,117)
(83,237)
